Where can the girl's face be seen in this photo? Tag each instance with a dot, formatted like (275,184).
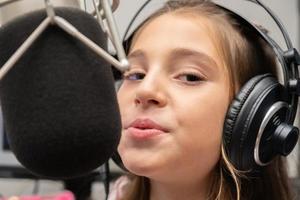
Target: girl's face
(173,101)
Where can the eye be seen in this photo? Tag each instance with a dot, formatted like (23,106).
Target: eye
(133,76)
(190,78)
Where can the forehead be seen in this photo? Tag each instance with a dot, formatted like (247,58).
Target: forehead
(170,31)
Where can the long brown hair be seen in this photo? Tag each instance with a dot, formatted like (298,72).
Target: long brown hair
(245,55)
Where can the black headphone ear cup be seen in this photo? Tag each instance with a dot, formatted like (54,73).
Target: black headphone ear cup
(244,117)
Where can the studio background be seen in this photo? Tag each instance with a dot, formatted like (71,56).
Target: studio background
(288,11)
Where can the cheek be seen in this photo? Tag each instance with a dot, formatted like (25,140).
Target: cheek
(203,121)
(120,97)
(200,124)
(123,99)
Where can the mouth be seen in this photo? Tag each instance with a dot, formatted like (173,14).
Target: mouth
(146,124)
(145,129)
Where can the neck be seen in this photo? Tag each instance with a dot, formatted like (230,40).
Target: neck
(179,190)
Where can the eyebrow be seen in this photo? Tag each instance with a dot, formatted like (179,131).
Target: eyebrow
(184,52)
(179,53)
(136,54)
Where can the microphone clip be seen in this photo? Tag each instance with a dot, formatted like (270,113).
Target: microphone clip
(292,56)
(50,11)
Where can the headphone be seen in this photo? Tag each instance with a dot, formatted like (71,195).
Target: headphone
(259,122)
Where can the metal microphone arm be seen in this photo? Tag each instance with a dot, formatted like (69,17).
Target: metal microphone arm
(23,48)
(114,6)
(121,65)
(114,32)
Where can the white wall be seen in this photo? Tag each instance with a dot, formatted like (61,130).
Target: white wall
(20,7)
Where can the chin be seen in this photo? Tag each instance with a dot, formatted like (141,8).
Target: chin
(142,167)
(139,168)
(140,162)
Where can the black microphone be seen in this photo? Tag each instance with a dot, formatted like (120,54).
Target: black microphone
(59,103)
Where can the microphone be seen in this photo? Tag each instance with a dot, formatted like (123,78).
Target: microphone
(58,96)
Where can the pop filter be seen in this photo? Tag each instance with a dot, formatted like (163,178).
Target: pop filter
(59,103)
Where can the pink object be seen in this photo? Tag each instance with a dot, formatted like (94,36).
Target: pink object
(119,188)
(60,196)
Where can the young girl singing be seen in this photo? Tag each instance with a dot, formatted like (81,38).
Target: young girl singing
(188,60)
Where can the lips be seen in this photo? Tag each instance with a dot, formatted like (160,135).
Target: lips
(146,124)
(145,129)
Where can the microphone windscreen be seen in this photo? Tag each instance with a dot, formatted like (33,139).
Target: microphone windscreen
(59,102)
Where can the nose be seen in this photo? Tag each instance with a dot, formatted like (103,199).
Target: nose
(151,92)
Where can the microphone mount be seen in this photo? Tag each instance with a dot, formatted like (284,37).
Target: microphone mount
(121,64)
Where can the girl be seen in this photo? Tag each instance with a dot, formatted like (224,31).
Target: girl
(188,60)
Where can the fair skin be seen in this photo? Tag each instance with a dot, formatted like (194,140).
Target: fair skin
(176,81)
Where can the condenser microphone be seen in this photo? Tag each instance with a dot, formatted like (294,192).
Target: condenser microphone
(58,100)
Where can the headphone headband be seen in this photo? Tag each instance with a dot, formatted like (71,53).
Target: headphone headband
(289,60)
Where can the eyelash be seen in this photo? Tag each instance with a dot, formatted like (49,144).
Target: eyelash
(196,78)
(131,76)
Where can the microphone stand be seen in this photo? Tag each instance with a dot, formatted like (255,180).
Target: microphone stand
(53,19)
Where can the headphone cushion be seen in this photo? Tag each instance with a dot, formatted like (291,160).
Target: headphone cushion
(244,118)
(237,105)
